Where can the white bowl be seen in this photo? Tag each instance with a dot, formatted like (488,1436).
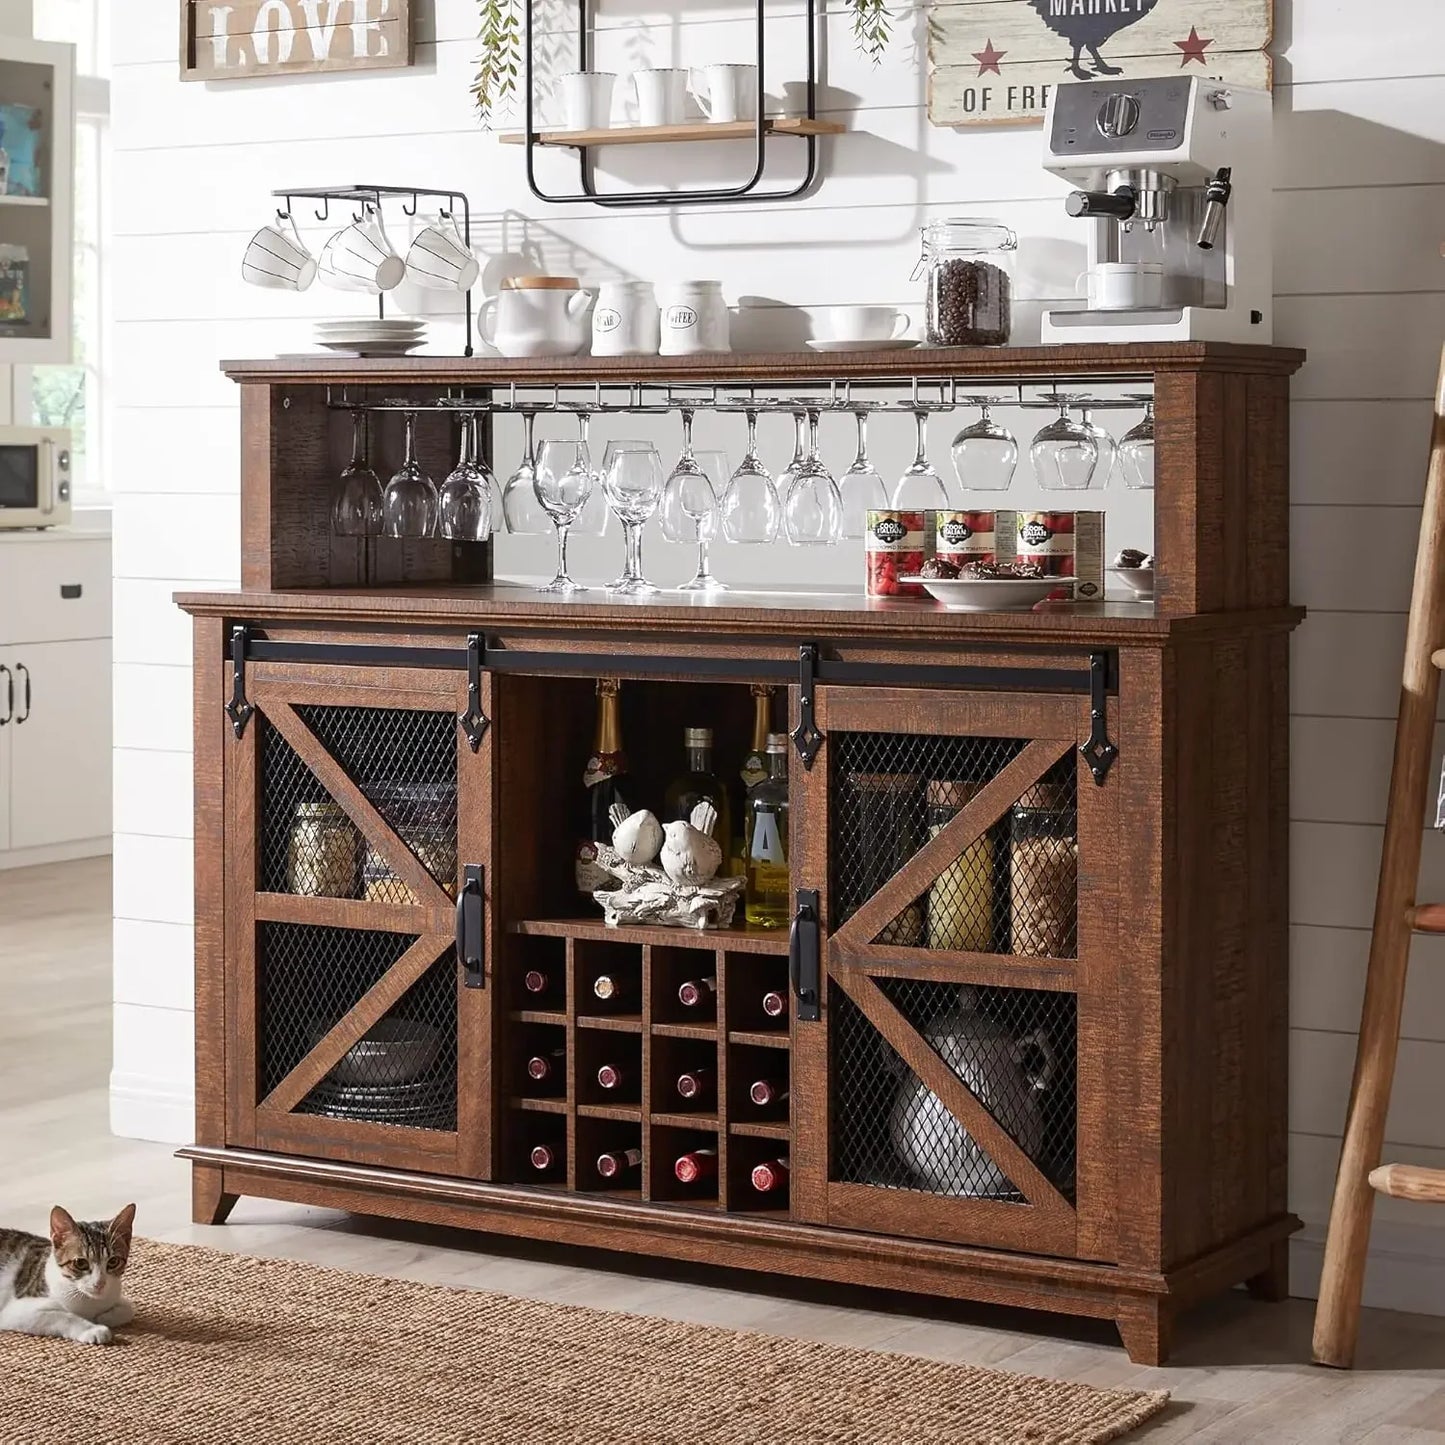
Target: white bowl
(1139,580)
(989,594)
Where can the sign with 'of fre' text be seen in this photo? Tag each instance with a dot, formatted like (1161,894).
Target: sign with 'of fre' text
(997,60)
(231,39)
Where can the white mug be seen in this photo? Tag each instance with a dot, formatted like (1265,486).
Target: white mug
(586,99)
(440,260)
(536,316)
(661,96)
(865,323)
(361,258)
(731,93)
(1124,285)
(278,260)
(625,320)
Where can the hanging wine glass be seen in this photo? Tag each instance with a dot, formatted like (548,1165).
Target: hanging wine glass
(689,510)
(1136,452)
(524,514)
(1063,454)
(1103,440)
(751,510)
(920,488)
(812,507)
(634,487)
(592,519)
(564,480)
(861,488)
(800,442)
(985,454)
(409,503)
(356,509)
(464,506)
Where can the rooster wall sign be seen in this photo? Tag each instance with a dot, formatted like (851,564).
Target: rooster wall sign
(996,60)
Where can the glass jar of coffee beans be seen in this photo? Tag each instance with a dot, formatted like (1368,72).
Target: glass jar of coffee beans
(969,266)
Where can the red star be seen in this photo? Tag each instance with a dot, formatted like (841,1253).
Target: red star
(988,59)
(1193,48)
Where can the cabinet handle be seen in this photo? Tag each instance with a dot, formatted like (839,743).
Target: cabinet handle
(9,695)
(803,961)
(471,948)
(20,667)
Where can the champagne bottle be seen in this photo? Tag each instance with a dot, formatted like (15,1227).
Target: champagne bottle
(541,1067)
(697,991)
(617,1163)
(697,784)
(767,892)
(612,990)
(606,768)
(696,1085)
(752,772)
(696,1165)
(771,1175)
(764,1092)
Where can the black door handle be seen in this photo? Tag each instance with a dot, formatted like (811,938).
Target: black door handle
(9,695)
(24,717)
(803,954)
(471,946)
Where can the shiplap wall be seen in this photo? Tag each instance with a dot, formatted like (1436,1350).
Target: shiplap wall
(1359,215)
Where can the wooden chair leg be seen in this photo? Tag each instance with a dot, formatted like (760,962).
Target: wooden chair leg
(1146,1327)
(210,1204)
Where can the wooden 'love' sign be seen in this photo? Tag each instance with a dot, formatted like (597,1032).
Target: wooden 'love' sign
(997,60)
(232,39)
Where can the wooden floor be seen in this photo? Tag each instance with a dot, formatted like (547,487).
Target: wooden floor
(1240,1372)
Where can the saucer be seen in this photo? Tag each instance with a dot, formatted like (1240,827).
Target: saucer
(886,343)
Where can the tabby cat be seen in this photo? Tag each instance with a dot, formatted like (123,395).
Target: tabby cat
(69,1285)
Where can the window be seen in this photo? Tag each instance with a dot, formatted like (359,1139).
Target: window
(74,396)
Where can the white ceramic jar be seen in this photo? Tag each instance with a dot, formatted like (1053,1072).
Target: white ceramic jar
(694,318)
(536,316)
(625,320)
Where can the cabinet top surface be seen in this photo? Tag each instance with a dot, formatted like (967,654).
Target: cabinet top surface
(1037,362)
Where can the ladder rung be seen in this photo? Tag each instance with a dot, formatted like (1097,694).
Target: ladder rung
(1438,658)
(1428,918)
(1409,1181)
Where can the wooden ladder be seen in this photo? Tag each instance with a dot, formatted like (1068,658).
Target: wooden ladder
(1397,917)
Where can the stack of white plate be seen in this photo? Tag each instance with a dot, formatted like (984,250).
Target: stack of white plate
(371,337)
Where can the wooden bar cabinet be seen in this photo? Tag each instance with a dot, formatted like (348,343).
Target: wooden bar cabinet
(391,692)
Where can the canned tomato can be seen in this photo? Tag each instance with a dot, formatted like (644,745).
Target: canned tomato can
(1046,538)
(964,537)
(895,544)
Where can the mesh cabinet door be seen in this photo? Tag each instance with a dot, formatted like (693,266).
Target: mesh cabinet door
(969,910)
(358,804)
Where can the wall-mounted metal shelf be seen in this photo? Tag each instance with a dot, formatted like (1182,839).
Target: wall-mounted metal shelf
(632,135)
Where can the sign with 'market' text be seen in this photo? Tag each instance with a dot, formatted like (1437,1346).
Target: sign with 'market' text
(231,39)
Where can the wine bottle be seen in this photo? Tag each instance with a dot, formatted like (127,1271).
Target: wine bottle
(752,772)
(611,1076)
(771,1175)
(767,832)
(543,1158)
(612,989)
(775,1004)
(696,1085)
(764,1092)
(535,981)
(602,781)
(698,784)
(542,1066)
(696,1165)
(697,991)
(617,1163)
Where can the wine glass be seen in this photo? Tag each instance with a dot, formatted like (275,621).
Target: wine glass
(812,507)
(750,507)
(409,503)
(689,510)
(1063,454)
(634,487)
(920,488)
(1136,452)
(592,519)
(465,501)
(861,488)
(800,439)
(986,453)
(564,480)
(1103,439)
(356,510)
(523,512)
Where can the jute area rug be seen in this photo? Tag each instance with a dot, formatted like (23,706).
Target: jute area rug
(230,1349)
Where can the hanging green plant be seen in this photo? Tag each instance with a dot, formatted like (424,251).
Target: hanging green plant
(872,27)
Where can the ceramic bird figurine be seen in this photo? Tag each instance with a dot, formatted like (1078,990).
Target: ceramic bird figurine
(636,836)
(690,854)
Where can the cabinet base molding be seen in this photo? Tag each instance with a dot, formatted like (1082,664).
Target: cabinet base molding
(1143,1303)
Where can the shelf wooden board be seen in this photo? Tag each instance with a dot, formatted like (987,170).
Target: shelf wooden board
(762,1129)
(687,131)
(622,1113)
(555,1018)
(618,1023)
(705,1123)
(538,1106)
(37,202)
(736,940)
(706,1032)
(760,1038)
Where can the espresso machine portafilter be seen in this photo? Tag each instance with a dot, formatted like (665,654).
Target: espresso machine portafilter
(1172,177)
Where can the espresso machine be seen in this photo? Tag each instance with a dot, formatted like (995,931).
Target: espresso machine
(1173,180)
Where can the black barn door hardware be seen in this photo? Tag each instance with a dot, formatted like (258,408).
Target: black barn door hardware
(474,721)
(238,709)
(471,946)
(804,955)
(1099,752)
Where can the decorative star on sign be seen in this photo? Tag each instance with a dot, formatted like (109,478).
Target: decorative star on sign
(1194,47)
(988,59)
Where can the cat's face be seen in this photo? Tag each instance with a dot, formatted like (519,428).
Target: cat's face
(91,1257)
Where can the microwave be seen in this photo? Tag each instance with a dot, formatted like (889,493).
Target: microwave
(35,480)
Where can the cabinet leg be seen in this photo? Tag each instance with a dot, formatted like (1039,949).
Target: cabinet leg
(1272,1283)
(1147,1329)
(210,1204)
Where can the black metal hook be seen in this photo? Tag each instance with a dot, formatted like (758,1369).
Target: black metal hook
(324,214)
(411,210)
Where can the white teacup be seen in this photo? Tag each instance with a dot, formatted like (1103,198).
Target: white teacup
(1125,285)
(586,98)
(865,323)
(440,260)
(661,96)
(278,260)
(730,93)
(361,258)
